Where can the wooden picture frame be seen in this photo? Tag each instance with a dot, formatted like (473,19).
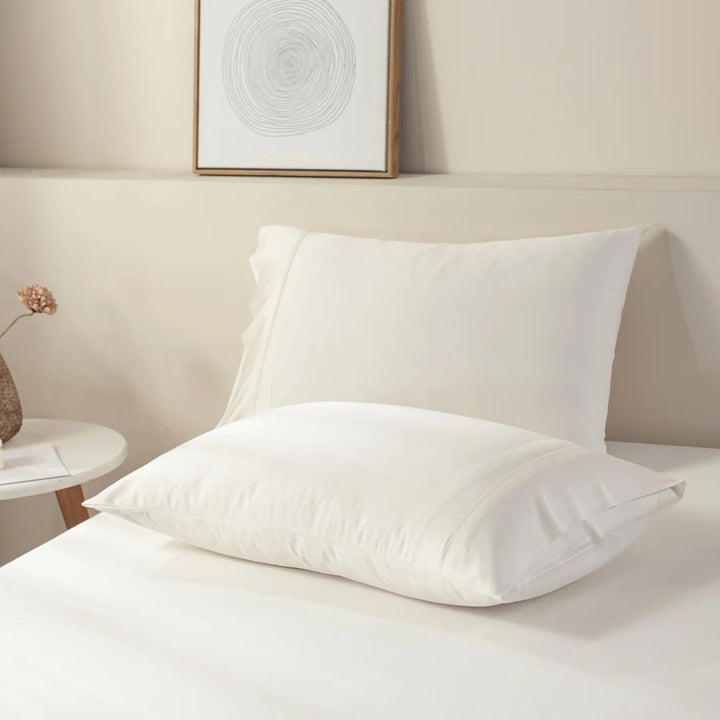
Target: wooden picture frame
(391,97)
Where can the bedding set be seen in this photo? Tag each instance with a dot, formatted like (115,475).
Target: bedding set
(425,420)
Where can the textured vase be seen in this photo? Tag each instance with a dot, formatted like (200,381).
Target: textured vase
(11,416)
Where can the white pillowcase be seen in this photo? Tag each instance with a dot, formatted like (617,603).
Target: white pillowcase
(521,332)
(430,505)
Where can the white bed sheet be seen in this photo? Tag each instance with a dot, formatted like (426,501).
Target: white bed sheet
(114,621)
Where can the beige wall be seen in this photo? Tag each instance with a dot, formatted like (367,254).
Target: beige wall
(517,86)
(151,270)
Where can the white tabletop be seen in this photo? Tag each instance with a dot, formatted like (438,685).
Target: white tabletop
(88,451)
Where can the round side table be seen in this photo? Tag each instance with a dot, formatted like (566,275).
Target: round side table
(88,451)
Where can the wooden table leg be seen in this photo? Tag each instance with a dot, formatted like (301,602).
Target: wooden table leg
(70,502)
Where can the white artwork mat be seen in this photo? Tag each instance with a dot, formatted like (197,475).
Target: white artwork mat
(31,462)
(254,54)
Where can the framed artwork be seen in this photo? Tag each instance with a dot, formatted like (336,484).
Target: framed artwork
(297,87)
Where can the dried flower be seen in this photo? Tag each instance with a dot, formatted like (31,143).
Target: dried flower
(38,299)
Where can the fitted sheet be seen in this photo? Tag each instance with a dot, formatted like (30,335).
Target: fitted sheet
(114,621)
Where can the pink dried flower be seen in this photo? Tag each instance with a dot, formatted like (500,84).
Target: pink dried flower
(38,299)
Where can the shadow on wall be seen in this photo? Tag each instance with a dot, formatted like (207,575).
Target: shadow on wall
(422,148)
(695,282)
(659,365)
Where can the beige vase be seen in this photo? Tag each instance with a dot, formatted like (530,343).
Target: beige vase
(11,416)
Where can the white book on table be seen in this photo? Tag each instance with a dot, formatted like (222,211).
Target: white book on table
(31,462)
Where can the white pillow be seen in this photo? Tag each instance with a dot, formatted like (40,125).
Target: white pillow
(521,332)
(430,505)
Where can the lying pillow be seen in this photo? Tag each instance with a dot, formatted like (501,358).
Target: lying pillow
(430,505)
(520,332)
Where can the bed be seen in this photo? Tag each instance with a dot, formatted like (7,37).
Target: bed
(112,620)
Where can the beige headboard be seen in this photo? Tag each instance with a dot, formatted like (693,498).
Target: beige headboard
(152,278)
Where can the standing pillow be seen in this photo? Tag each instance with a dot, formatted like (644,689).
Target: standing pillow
(430,505)
(521,332)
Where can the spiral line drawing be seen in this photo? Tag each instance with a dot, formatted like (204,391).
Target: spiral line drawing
(288,66)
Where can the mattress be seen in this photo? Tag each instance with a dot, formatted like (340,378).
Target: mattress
(114,621)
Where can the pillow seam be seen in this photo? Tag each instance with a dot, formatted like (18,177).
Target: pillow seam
(391,559)
(438,574)
(501,481)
